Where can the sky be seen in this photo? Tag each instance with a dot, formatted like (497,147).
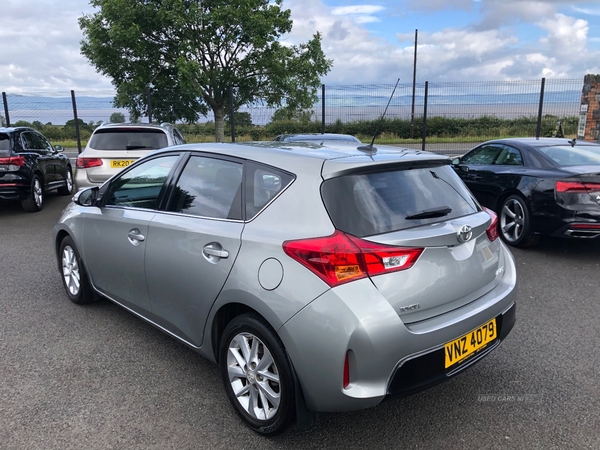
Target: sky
(369,42)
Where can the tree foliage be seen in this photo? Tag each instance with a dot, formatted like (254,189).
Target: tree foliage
(186,55)
(117,117)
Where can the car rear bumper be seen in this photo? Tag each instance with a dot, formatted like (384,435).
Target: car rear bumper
(82,181)
(11,191)
(386,356)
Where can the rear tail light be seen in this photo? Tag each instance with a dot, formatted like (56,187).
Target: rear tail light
(341,258)
(492,231)
(86,163)
(13,163)
(576,187)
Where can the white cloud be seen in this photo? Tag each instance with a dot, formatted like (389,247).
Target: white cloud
(588,11)
(357,9)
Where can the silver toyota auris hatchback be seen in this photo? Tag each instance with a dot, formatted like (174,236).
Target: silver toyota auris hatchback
(320,278)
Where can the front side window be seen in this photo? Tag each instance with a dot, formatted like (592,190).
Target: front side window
(209,187)
(375,203)
(482,156)
(141,186)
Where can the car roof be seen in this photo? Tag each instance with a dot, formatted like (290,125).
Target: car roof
(13,129)
(319,137)
(161,126)
(333,158)
(541,142)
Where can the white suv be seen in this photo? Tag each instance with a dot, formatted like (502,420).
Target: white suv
(114,146)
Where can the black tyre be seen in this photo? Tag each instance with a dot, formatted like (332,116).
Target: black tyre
(67,189)
(74,277)
(257,375)
(34,201)
(515,223)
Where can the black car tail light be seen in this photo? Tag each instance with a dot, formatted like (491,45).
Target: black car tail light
(12,163)
(86,163)
(341,258)
(577,187)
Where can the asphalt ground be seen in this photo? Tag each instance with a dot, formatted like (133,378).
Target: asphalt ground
(96,377)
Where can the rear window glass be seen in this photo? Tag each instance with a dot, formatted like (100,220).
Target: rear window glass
(565,155)
(375,203)
(128,139)
(4,144)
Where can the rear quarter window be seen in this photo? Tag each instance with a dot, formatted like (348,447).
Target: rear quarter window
(5,144)
(375,203)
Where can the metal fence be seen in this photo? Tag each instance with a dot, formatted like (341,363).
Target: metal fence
(447,117)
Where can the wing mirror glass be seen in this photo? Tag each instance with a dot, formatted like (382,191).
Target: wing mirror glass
(87,197)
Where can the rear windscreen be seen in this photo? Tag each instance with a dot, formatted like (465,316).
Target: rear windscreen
(128,139)
(565,155)
(374,203)
(4,144)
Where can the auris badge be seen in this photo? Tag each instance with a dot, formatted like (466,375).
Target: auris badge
(465,233)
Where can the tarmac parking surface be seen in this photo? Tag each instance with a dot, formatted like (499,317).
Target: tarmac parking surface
(96,377)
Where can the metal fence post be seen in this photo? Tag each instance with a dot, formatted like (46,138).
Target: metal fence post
(541,108)
(5,109)
(322,109)
(149,101)
(425,115)
(77,135)
(231,115)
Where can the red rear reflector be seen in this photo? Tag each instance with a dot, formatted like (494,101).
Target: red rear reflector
(346,376)
(13,161)
(341,258)
(492,231)
(585,226)
(86,163)
(574,186)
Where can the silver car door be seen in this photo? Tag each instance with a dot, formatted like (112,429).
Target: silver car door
(115,234)
(192,247)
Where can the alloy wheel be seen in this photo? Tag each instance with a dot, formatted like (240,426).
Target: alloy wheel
(254,376)
(71,273)
(37,192)
(512,220)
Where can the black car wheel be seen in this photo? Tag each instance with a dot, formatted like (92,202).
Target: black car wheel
(515,223)
(257,375)
(35,199)
(74,277)
(67,189)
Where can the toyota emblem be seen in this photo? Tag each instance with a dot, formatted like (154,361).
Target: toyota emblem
(465,233)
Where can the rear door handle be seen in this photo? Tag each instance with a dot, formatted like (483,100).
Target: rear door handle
(216,251)
(135,237)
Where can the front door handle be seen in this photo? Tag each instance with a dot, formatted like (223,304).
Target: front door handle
(135,237)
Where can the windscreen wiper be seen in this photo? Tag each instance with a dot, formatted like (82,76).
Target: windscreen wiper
(440,211)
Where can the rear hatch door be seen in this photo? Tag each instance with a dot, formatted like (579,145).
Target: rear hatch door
(421,204)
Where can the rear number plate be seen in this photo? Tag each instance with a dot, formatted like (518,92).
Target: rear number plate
(465,346)
(120,163)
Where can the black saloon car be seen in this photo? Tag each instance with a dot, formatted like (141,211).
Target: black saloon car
(545,186)
(30,166)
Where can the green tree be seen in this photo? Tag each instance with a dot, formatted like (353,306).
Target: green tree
(188,53)
(241,119)
(117,117)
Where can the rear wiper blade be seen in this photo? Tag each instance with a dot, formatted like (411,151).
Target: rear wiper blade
(440,211)
(136,147)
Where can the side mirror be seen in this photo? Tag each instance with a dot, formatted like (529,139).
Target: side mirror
(59,148)
(87,197)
